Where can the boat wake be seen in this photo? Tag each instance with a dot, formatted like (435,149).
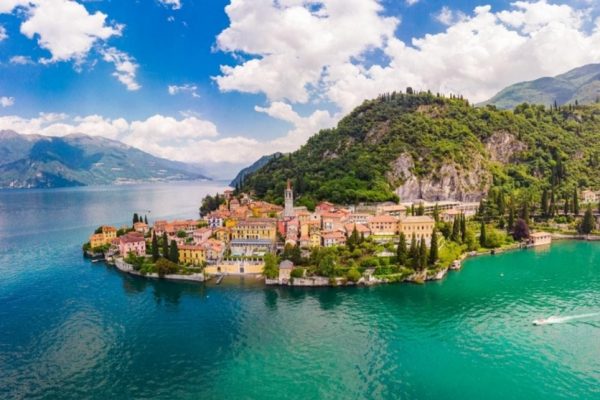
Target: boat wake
(561,320)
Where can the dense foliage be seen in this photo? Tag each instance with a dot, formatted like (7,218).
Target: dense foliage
(560,150)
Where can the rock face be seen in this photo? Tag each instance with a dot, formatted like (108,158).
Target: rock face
(504,147)
(450,182)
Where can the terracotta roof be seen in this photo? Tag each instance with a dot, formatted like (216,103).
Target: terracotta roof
(418,218)
(383,219)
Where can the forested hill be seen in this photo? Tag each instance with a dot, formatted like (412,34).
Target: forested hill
(437,148)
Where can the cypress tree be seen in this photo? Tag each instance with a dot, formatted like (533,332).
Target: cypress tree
(421,209)
(525,212)
(511,218)
(463,228)
(146,219)
(482,235)
(401,250)
(165,245)
(155,254)
(413,253)
(575,202)
(422,254)
(136,218)
(436,213)
(455,235)
(433,249)
(174,252)
(567,206)
(587,224)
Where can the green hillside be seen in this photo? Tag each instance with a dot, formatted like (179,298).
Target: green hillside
(436,148)
(581,85)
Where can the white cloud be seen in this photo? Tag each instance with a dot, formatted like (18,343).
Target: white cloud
(189,139)
(7,101)
(21,60)
(3,34)
(174,4)
(69,33)
(303,127)
(66,29)
(125,66)
(447,16)
(411,2)
(187,88)
(293,42)
(287,50)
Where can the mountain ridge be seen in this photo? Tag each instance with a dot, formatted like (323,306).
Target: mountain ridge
(581,85)
(422,146)
(37,161)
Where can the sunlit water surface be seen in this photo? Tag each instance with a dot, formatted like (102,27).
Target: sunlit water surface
(71,329)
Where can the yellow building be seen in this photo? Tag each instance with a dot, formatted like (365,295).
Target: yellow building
(190,254)
(264,228)
(236,268)
(315,239)
(105,236)
(383,225)
(222,234)
(420,226)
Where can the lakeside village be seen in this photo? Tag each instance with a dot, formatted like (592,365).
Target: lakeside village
(330,245)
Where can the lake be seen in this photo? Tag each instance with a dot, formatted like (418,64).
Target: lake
(72,329)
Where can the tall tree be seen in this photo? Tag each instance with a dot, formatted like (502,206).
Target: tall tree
(433,249)
(463,228)
(165,245)
(174,252)
(401,251)
(146,219)
(436,213)
(575,202)
(422,254)
(567,207)
(525,211)
(455,236)
(587,224)
(155,254)
(413,252)
(136,218)
(511,217)
(482,235)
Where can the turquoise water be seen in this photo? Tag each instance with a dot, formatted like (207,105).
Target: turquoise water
(71,329)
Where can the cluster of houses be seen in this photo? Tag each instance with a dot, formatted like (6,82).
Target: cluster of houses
(235,237)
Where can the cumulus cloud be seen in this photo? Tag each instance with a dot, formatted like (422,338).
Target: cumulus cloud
(174,4)
(125,67)
(189,139)
(299,51)
(69,33)
(187,88)
(292,43)
(3,34)
(6,101)
(411,2)
(21,60)
(66,29)
(447,16)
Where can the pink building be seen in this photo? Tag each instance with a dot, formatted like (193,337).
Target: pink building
(201,235)
(132,242)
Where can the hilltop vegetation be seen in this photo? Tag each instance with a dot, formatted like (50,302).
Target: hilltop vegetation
(422,144)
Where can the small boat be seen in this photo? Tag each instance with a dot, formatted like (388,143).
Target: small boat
(546,321)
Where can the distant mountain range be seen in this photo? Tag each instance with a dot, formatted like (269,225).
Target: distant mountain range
(580,85)
(258,164)
(35,161)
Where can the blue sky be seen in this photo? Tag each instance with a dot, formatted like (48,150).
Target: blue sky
(291,66)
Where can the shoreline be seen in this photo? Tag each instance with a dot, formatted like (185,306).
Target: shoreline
(420,277)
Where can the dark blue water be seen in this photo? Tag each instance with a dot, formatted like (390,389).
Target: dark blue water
(73,329)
